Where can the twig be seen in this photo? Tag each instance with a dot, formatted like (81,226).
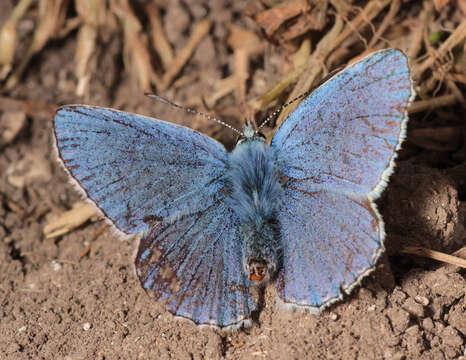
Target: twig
(30,108)
(434,103)
(394,8)
(97,233)
(436,255)
(159,40)
(454,39)
(180,60)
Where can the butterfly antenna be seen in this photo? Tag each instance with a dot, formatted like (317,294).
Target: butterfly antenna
(192,111)
(280,109)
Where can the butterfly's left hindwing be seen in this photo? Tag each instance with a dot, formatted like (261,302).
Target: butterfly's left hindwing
(330,242)
(138,170)
(194,264)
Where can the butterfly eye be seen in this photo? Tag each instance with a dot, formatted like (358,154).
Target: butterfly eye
(240,139)
(260,135)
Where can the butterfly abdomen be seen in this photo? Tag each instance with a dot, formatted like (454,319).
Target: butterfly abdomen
(255,190)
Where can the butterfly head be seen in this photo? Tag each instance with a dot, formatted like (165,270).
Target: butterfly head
(250,133)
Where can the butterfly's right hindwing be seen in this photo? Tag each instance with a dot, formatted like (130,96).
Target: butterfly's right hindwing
(194,264)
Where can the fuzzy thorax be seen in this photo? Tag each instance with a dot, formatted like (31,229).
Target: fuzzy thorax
(255,189)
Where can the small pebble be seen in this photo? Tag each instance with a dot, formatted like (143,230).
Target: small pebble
(21,329)
(422,300)
(428,324)
(399,318)
(86,326)
(414,308)
(451,337)
(333,316)
(56,265)
(398,296)
(412,330)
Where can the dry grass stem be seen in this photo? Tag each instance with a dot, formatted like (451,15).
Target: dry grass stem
(8,37)
(90,13)
(159,40)
(223,87)
(241,58)
(70,220)
(200,30)
(51,18)
(136,53)
(433,103)
(417,36)
(444,50)
(435,255)
(387,21)
(314,67)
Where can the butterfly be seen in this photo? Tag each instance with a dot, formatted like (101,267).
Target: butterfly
(299,212)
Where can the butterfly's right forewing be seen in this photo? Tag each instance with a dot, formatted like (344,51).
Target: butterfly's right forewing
(138,170)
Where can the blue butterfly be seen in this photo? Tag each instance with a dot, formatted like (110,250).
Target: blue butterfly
(299,212)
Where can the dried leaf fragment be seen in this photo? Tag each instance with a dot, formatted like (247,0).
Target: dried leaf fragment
(11,124)
(70,220)
(270,20)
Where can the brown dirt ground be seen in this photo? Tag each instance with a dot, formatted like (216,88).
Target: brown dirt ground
(56,304)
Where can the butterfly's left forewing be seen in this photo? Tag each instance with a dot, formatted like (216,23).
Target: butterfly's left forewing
(344,135)
(194,265)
